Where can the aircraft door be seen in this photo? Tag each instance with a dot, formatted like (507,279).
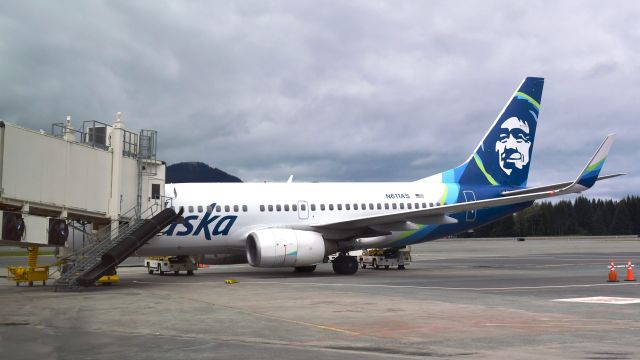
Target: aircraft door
(470,196)
(303,210)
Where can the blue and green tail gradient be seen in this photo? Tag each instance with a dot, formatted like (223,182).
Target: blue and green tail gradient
(589,175)
(499,162)
(504,154)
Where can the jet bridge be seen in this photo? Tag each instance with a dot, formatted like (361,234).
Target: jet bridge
(99,177)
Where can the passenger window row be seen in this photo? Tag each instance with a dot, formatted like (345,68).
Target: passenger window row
(348,206)
(286,207)
(303,207)
(209,209)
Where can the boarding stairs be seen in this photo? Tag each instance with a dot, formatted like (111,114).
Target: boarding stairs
(112,246)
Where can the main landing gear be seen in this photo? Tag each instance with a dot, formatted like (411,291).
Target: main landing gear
(345,265)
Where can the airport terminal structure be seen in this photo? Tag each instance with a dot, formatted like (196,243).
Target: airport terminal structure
(101,183)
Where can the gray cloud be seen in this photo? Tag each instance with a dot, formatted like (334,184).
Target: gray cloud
(331,91)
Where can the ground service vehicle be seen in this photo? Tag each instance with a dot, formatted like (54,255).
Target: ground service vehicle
(174,264)
(375,258)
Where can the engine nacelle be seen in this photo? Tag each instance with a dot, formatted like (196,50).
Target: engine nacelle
(284,248)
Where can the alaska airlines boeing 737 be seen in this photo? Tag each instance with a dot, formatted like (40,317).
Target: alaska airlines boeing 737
(299,224)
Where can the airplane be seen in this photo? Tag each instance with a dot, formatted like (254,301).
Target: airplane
(298,225)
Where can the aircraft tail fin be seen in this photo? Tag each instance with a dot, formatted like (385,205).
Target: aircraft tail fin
(504,154)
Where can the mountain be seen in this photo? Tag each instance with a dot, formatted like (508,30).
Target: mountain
(186,172)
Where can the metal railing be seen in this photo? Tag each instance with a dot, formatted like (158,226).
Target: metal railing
(86,258)
(130,147)
(91,256)
(59,130)
(96,134)
(148,144)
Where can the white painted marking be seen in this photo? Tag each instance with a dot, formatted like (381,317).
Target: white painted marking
(442,287)
(603,300)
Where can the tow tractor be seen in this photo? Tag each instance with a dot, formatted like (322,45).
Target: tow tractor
(376,258)
(163,264)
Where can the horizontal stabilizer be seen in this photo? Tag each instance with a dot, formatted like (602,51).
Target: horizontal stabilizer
(553,187)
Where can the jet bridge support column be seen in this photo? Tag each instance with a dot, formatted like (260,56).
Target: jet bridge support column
(117,138)
(69,135)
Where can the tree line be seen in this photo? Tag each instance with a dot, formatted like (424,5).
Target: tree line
(581,216)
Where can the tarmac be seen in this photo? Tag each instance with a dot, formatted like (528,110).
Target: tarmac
(459,298)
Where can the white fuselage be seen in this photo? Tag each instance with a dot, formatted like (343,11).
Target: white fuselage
(240,208)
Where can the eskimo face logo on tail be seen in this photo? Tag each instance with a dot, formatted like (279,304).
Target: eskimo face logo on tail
(209,225)
(513,145)
(506,151)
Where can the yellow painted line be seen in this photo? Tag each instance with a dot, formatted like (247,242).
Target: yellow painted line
(278,318)
(176,283)
(273,317)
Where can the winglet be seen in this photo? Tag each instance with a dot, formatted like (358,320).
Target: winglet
(589,175)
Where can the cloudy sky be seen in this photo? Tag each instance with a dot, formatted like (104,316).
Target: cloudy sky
(332,90)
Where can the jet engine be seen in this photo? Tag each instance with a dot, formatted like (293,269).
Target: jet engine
(284,248)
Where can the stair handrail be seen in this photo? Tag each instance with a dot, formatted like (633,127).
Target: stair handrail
(86,260)
(127,220)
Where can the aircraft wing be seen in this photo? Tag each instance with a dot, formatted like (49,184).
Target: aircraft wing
(405,220)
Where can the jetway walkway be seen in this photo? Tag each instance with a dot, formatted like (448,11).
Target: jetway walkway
(111,248)
(88,176)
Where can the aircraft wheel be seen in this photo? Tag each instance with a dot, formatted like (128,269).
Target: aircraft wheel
(160,270)
(345,265)
(189,272)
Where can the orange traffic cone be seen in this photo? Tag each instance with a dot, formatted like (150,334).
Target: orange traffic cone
(613,276)
(630,272)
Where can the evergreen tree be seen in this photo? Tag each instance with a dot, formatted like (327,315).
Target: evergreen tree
(564,222)
(583,213)
(578,217)
(599,224)
(547,228)
(621,222)
(504,227)
(633,206)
